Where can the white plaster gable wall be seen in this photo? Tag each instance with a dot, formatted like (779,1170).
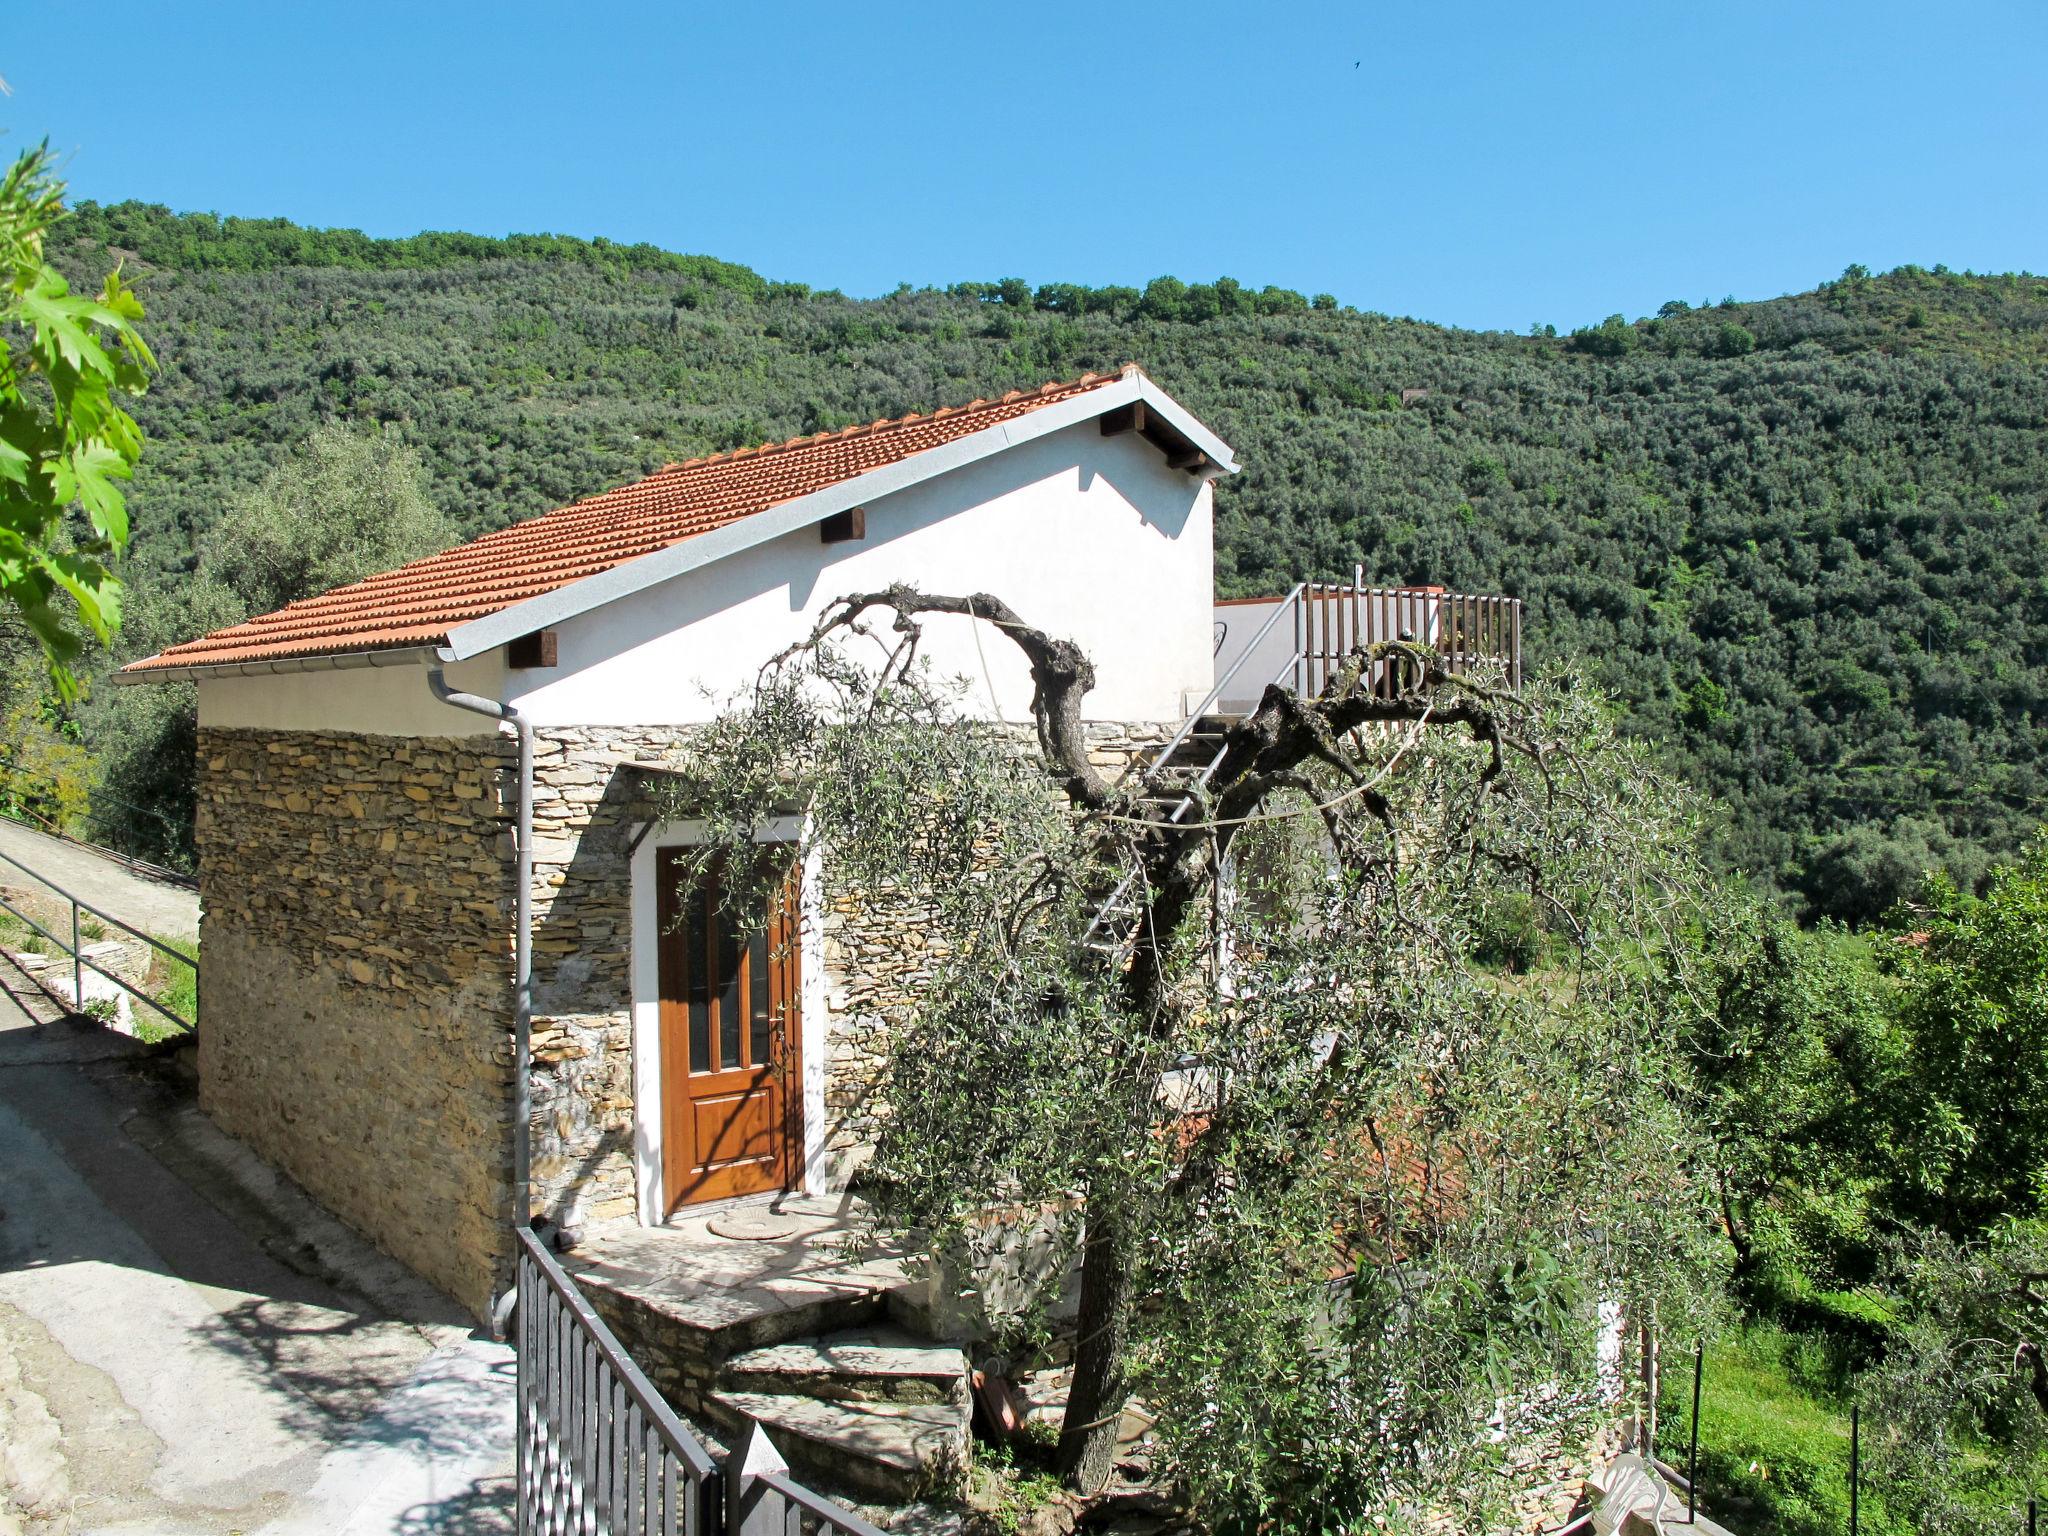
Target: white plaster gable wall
(370,701)
(1090,538)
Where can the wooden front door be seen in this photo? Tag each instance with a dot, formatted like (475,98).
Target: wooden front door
(731,1088)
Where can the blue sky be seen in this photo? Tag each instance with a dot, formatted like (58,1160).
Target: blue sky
(1479,164)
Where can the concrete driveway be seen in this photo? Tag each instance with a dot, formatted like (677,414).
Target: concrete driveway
(188,1344)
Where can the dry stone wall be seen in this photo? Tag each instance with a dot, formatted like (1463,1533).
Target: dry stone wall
(589,800)
(357,971)
(356,962)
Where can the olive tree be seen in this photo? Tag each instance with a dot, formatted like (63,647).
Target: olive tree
(343,505)
(1335,1187)
(1956,1408)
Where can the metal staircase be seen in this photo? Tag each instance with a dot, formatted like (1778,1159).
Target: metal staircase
(1302,641)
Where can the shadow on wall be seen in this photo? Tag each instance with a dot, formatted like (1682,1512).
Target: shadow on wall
(582,975)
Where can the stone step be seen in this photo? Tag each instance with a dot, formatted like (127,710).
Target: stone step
(713,1321)
(891,1452)
(882,1365)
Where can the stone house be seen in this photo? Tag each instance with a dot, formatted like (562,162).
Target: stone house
(436,904)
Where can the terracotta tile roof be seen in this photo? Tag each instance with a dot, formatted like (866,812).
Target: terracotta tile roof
(419,603)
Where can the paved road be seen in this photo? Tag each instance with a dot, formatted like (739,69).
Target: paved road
(167,911)
(188,1346)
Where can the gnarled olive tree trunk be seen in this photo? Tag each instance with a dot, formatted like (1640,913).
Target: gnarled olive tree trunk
(1176,865)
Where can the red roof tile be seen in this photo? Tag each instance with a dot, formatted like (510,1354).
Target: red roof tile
(418,604)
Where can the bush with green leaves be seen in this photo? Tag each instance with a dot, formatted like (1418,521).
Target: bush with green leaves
(1972,979)
(1956,1413)
(1806,1090)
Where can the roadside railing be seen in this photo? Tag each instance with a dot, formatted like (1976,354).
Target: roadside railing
(600,1454)
(11,768)
(81,962)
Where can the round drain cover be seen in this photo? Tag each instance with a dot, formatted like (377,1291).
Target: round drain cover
(765,1226)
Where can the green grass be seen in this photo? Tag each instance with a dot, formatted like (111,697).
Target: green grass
(1007,1486)
(174,984)
(1774,1435)
(17,936)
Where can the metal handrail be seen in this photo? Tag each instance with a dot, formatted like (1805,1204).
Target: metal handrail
(598,1449)
(105,916)
(831,1517)
(1290,603)
(1187,726)
(79,963)
(599,1452)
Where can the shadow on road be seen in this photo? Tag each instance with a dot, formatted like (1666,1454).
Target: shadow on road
(482,1509)
(225,1309)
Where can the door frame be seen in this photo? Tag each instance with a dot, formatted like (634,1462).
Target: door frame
(646,1008)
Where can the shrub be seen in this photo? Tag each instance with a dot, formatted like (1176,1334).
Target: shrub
(1732,340)
(1612,337)
(1510,934)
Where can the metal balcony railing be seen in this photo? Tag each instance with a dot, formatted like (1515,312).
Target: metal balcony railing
(1471,631)
(1304,638)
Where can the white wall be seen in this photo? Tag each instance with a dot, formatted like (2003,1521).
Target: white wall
(1237,625)
(1091,538)
(372,701)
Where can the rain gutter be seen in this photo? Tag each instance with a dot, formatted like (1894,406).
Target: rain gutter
(522,963)
(340,661)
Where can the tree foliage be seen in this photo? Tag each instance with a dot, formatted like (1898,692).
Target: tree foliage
(1959,1402)
(1805,1084)
(1334,1197)
(66,361)
(344,506)
(1973,999)
(1874,1105)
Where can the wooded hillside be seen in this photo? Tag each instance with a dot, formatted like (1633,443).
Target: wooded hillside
(1800,540)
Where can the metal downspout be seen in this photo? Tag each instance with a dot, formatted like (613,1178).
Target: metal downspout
(522,962)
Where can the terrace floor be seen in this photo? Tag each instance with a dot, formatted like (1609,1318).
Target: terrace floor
(774,1260)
